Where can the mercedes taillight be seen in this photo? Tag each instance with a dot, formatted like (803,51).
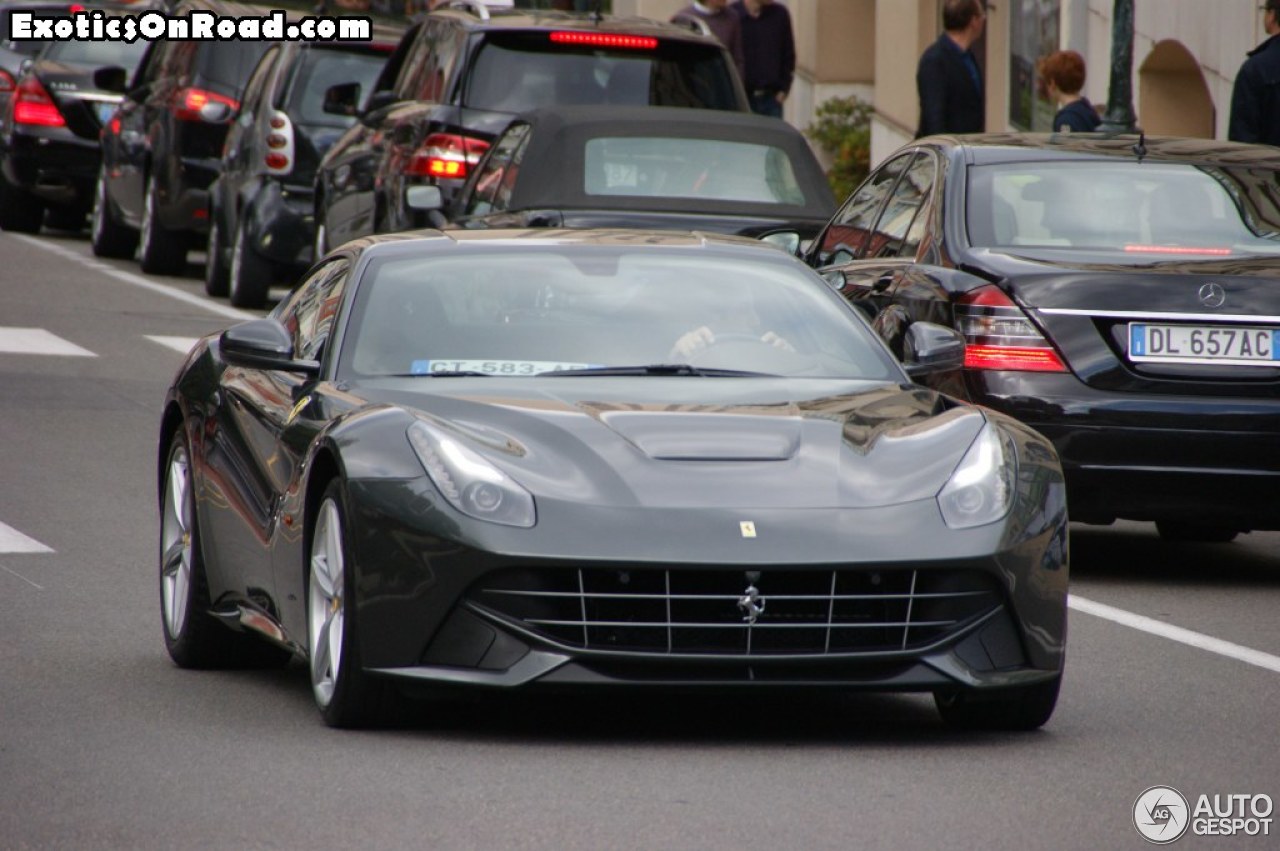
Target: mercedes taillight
(446,155)
(998,335)
(33,106)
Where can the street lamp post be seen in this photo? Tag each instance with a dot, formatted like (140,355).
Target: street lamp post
(1119,117)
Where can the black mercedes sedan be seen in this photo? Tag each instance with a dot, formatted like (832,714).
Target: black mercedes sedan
(650,167)
(548,459)
(1120,295)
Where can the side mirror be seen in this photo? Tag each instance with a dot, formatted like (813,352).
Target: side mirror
(423,198)
(379,100)
(342,99)
(262,344)
(787,240)
(112,78)
(928,348)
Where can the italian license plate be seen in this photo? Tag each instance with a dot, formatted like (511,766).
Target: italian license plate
(1213,344)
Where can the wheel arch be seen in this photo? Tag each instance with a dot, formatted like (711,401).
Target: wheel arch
(171,422)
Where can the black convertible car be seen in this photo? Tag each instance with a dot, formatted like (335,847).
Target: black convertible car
(649,167)
(1120,295)
(602,459)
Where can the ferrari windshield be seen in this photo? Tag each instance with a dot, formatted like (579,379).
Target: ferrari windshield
(1148,211)
(592,310)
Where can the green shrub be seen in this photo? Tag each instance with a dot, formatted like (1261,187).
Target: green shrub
(842,128)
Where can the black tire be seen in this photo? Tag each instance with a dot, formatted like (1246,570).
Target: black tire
(20,211)
(1012,709)
(64,218)
(1202,533)
(160,250)
(345,695)
(250,276)
(192,635)
(108,237)
(215,265)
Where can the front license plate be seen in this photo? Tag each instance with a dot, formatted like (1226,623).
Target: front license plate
(1213,344)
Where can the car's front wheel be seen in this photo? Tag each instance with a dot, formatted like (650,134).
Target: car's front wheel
(345,695)
(108,237)
(191,635)
(1018,708)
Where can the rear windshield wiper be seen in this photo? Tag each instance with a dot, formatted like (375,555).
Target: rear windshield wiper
(657,369)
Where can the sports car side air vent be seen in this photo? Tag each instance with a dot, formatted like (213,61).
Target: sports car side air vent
(738,612)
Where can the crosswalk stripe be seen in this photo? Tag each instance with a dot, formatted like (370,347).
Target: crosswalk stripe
(13,541)
(178,344)
(38,341)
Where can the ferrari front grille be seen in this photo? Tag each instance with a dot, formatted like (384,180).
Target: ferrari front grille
(739,612)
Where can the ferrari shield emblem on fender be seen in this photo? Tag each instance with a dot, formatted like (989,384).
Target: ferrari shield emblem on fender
(748,529)
(297,409)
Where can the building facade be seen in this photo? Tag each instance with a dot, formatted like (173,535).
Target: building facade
(1185,57)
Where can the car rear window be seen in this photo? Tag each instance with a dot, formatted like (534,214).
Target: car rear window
(230,62)
(517,72)
(1143,210)
(711,169)
(97,54)
(324,67)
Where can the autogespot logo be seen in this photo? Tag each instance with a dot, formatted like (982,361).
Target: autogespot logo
(1161,814)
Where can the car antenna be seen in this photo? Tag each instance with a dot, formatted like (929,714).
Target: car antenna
(1140,149)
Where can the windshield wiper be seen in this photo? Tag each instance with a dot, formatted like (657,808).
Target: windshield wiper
(658,369)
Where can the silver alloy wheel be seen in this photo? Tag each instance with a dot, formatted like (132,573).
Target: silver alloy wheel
(148,213)
(96,223)
(176,546)
(325,603)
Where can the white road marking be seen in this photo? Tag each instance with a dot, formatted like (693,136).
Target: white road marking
(178,344)
(1176,633)
(35,585)
(37,341)
(135,280)
(13,541)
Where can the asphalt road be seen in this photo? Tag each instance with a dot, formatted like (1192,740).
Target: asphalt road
(1173,675)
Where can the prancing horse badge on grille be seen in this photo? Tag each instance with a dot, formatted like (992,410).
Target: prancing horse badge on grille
(751,604)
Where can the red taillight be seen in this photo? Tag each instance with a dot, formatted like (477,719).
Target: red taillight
(998,335)
(590,39)
(6,81)
(203,105)
(446,155)
(75,8)
(279,156)
(32,105)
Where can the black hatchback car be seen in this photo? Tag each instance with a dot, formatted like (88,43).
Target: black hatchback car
(164,146)
(49,148)
(261,226)
(1121,295)
(460,75)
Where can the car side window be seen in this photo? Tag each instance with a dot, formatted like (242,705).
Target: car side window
(846,236)
(898,231)
(309,313)
(416,63)
(431,75)
(257,84)
(507,183)
(489,178)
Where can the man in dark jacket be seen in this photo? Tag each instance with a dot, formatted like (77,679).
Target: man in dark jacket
(948,78)
(1255,100)
(769,48)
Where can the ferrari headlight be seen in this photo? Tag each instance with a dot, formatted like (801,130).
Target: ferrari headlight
(470,483)
(981,488)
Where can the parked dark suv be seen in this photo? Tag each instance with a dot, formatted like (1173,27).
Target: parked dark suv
(164,146)
(462,73)
(260,212)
